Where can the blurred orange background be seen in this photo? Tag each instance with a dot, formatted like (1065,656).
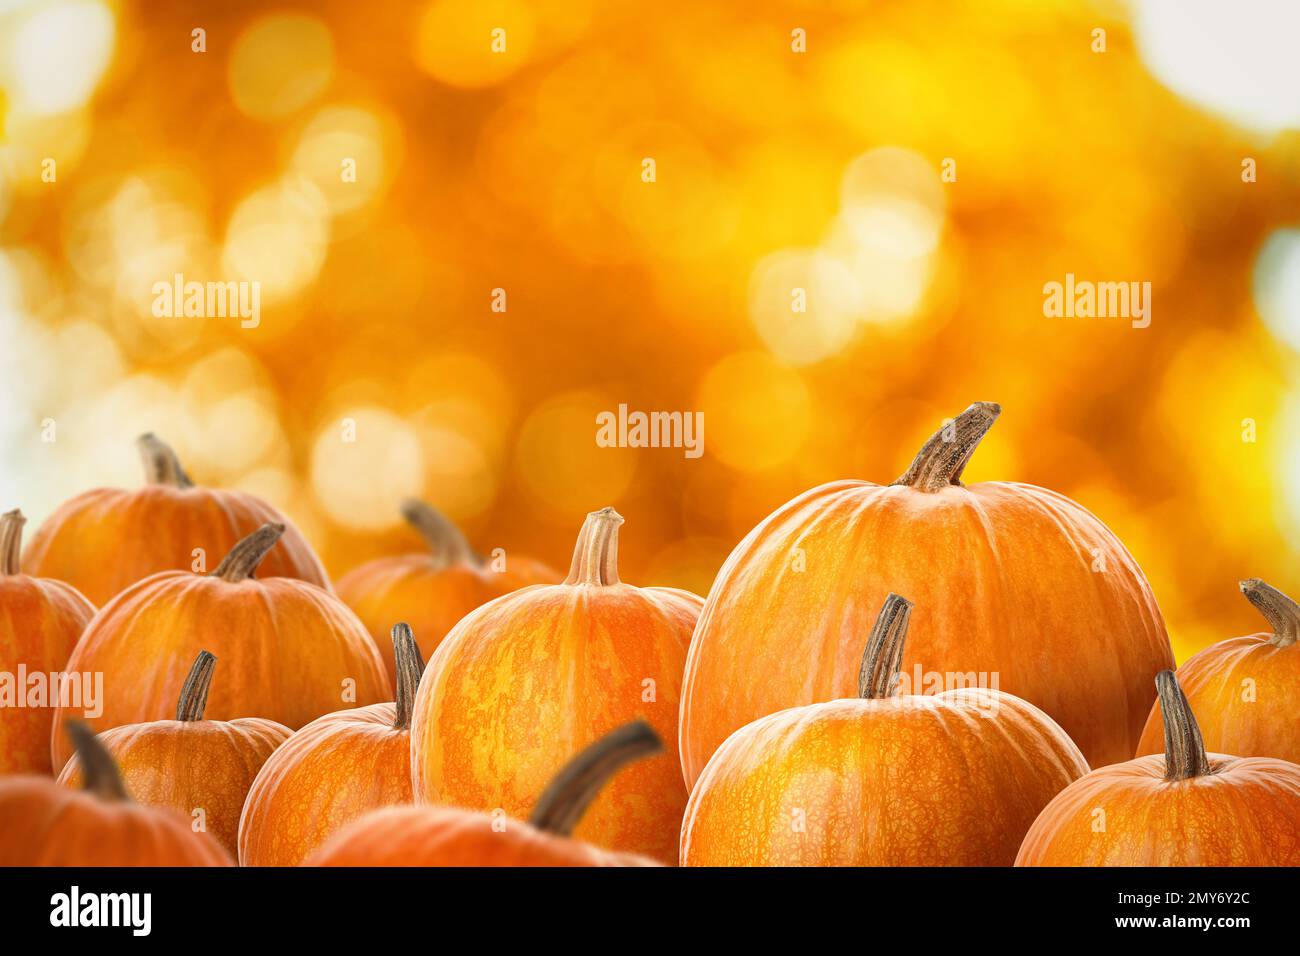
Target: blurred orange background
(794,145)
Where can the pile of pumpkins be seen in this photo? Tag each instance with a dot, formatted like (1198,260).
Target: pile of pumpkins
(913,674)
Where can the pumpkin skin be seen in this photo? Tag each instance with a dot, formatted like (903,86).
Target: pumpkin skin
(1245,691)
(40,622)
(44,824)
(953,779)
(340,765)
(190,763)
(1197,809)
(103,540)
(287,648)
(1003,581)
(434,590)
(545,671)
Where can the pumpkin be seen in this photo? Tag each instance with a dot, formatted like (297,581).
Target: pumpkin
(1182,807)
(339,765)
(1016,587)
(290,651)
(952,779)
(452,836)
(44,824)
(433,590)
(544,672)
(40,621)
(1246,690)
(105,539)
(201,768)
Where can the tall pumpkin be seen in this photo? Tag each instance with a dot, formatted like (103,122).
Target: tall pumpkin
(40,622)
(200,768)
(953,779)
(433,590)
(339,765)
(1011,581)
(289,650)
(1246,690)
(103,540)
(544,672)
(1183,807)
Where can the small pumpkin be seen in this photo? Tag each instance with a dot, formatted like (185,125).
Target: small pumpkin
(44,824)
(40,622)
(290,651)
(1183,807)
(339,765)
(451,836)
(953,779)
(1010,580)
(544,672)
(201,768)
(103,540)
(1246,690)
(433,590)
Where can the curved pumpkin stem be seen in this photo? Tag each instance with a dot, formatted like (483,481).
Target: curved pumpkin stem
(446,542)
(1184,749)
(882,661)
(242,561)
(578,783)
(410,666)
(11,541)
(595,557)
(944,457)
(194,694)
(99,773)
(1282,613)
(161,466)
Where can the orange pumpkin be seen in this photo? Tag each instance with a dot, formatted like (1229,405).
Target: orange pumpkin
(289,650)
(434,590)
(44,824)
(40,621)
(450,836)
(1246,690)
(547,670)
(953,779)
(1012,582)
(201,768)
(105,539)
(1184,807)
(339,765)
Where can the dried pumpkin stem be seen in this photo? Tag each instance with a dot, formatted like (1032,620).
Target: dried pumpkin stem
(578,783)
(194,695)
(410,665)
(11,541)
(942,459)
(882,661)
(595,557)
(1184,749)
(242,561)
(1282,613)
(161,466)
(99,773)
(446,542)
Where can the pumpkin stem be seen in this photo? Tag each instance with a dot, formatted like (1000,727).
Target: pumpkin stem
(882,661)
(243,559)
(1184,749)
(11,541)
(1282,613)
(161,466)
(942,459)
(98,771)
(194,695)
(446,542)
(595,557)
(410,665)
(572,790)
